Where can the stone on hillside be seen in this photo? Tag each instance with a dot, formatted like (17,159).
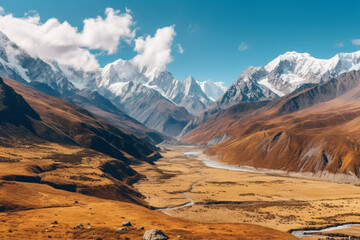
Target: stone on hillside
(126,223)
(154,234)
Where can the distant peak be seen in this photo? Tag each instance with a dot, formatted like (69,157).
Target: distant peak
(291,56)
(349,55)
(120,61)
(295,54)
(189,79)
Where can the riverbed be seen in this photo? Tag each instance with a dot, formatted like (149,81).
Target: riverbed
(185,184)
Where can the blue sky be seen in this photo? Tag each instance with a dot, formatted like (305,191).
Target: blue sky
(211,32)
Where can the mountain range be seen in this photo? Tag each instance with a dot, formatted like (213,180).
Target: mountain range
(269,117)
(296,114)
(169,104)
(314,130)
(286,74)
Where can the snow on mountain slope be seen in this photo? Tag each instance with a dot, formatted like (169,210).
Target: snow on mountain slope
(120,71)
(80,78)
(121,82)
(192,89)
(213,90)
(285,74)
(149,107)
(19,65)
(188,94)
(183,93)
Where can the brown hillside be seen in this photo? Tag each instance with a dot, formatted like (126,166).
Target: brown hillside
(62,122)
(316,130)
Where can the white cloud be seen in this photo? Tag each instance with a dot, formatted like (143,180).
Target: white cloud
(106,33)
(2,11)
(243,46)
(339,45)
(356,42)
(155,52)
(180,49)
(61,42)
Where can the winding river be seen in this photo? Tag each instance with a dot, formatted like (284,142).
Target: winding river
(198,155)
(214,164)
(302,233)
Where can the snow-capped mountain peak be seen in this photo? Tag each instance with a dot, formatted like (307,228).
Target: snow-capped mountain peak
(114,77)
(120,71)
(190,84)
(213,90)
(287,73)
(17,64)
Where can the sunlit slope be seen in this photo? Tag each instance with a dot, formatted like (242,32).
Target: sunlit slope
(315,130)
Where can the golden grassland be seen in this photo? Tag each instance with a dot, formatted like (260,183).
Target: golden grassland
(268,200)
(29,208)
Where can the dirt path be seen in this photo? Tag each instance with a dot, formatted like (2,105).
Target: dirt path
(167,209)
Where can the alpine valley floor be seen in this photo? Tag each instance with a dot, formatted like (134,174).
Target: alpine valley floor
(184,187)
(45,193)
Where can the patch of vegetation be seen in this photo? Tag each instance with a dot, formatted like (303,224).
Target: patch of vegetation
(246,194)
(75,158)
(222,183)
(165,176)
(10,160)
(82,178)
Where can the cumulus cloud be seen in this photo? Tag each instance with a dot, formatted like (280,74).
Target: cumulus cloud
(243,46)
(2,11)
(180,49)
(106,33)
(154,52)
(65,44)
(356,42)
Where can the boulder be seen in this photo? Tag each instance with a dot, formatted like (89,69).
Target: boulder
(154,234)
(126,223)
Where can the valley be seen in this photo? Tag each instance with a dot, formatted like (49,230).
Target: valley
(67,192)
(186,194)
(216,195)
(103,137)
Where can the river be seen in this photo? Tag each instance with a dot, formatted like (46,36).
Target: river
(214,164)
